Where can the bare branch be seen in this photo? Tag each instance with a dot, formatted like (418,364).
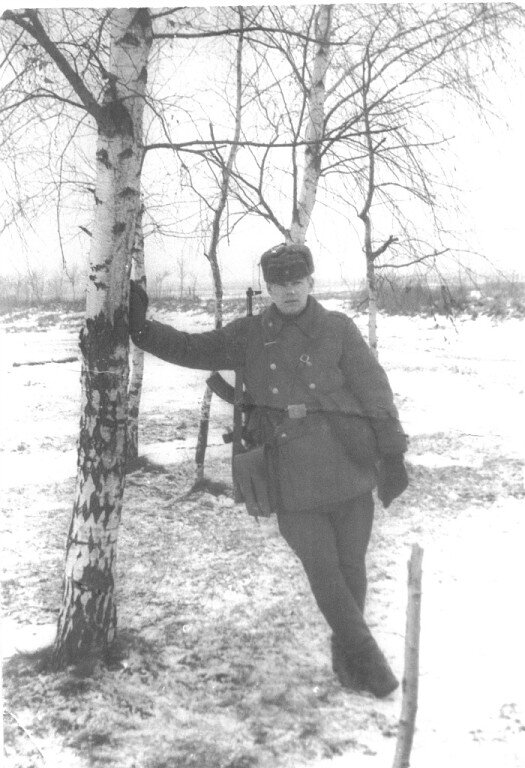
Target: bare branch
(35,28)
(378,251)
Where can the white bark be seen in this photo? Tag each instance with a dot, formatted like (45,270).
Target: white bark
(315,128)
(88,614)
(372,307)
(137,354)
(364,214)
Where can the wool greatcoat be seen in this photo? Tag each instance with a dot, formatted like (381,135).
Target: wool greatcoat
(318,359)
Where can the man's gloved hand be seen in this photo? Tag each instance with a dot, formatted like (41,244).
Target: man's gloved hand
(393,478)
(138,304)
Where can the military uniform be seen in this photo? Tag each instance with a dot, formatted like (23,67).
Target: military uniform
(318,359)
(318,363)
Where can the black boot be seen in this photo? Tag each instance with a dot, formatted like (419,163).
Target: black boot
(367,670)
(342,668)
(372,671)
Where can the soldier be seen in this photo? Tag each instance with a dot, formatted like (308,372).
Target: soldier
(323,408)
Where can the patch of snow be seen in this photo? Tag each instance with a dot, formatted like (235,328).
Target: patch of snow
(437,460)
(167,453)
(25,638)
(37,468)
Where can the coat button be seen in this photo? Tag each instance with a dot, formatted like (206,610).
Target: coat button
(312,385)
(275,390)
(273,366)
(284,434)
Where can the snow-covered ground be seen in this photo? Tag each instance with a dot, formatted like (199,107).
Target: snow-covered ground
(459,387)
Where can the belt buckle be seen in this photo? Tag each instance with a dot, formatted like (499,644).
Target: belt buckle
(296,411)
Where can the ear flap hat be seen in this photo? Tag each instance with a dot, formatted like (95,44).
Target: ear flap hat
(285,262)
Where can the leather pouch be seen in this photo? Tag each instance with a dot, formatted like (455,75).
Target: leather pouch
(251,479)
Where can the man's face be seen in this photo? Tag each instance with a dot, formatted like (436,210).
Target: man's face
(291,298)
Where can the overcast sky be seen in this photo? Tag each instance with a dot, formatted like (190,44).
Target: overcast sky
(488,164)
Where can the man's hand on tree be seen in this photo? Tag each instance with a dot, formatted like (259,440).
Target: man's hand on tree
(138,305)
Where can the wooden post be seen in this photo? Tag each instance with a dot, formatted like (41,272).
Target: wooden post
(2,701)
(407,720)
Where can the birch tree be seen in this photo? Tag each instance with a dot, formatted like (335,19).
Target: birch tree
(285,94)
(278,177)
(406,67)
(376,129)
(87,617)
(303,208)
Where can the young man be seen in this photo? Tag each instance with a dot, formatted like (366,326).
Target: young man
(323,406)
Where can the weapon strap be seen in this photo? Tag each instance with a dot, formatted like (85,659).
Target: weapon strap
(237,424)
(237,409)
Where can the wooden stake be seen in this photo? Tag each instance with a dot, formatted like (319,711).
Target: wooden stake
(407,720)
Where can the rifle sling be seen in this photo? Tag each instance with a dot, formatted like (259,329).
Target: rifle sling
(237,411)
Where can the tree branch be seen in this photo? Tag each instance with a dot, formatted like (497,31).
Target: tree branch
(35,28)
(328,139)
(418,260)
(42,94)
(378,251)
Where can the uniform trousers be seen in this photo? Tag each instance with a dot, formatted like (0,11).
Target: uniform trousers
(331,545)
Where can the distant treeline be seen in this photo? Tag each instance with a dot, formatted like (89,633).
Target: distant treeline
(397,295)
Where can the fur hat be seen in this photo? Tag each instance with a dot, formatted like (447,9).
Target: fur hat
(286,261)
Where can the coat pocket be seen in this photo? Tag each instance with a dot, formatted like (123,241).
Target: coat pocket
(356,435)
(311,467)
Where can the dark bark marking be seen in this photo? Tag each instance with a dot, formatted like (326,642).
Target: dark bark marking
(115,120)
(118,228)
(98,285)
(143,18)
(103,157)
(97,580)
(128,192)
(129,39)
(93,508)
(125,154)
(100,338)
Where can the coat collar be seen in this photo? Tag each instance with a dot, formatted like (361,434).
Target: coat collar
(309,321)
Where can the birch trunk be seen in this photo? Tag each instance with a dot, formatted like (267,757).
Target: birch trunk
(364,215)
(371,285)
(202,436)
(204,423)
(303,207)
(137,354)
(87,619)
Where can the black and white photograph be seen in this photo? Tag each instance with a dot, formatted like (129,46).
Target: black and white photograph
(262,313)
